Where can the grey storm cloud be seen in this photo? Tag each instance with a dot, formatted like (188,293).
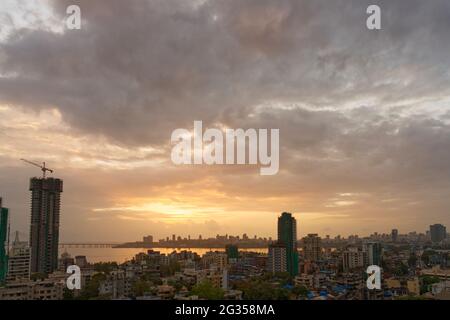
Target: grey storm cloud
(139,69)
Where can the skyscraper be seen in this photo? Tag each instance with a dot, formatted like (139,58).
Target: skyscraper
(4,226)
(394,235)
(147,239)
(287,235)
(232,252)
(312,247)
(44,231)
(438,232)
(374,251)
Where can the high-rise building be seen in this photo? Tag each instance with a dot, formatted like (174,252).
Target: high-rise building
(4,227)
(277,258)
(148,239)
(44,231)
(19,260)
(438,232)
(287,234)
(232,252)
(374,251)
(394,235)
(312,247)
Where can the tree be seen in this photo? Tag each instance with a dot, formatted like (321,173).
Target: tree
(105,267)
(415,298)
(284,278)
(427,281)
(177,284)
(206,290)
(301,291)
(412,260)
(402,269)
(91,290)
(67,294)
(427,254)
(38,276)
(170,269)
(261,289)
(140,287)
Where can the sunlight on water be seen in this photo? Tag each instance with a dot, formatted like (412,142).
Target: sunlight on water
(121,255)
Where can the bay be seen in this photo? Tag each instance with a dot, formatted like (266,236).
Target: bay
(120,255)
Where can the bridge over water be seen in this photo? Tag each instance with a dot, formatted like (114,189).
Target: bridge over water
(87,245)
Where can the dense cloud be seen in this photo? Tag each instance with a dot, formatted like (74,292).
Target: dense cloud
(161,64)
(360,111)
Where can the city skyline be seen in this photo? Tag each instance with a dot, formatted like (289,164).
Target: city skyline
(414,267)
(203,158)
(363,114)
(191,236)
(212,234)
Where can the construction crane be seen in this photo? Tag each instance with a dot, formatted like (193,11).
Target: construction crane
(43,167)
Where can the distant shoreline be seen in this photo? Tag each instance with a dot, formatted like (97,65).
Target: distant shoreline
(157,245)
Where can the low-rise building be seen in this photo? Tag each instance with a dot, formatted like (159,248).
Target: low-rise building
(116,285)
(33,290)
(18,261)
(312,281)
(440,287)
(354,258)
(413,286)
(166,292)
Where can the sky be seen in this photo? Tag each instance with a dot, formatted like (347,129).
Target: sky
(364,115)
